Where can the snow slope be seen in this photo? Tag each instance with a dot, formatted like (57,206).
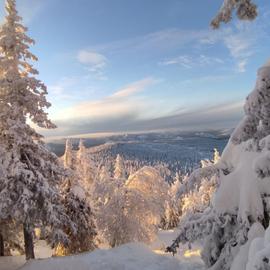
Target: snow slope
(132,256)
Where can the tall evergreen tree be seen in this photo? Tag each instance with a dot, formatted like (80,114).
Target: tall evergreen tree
(29,172)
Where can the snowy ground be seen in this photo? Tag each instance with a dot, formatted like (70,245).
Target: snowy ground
(42,250)
(127,257)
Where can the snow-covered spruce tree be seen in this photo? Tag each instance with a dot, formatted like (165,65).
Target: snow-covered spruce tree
(82,237)
(76,206)
(119,168)
(104,173)
(80,166)
(173,205)
(85,167)
(29,172)
(234,225)
(68,158)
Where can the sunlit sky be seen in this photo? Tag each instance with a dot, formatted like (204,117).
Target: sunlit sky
(140,65)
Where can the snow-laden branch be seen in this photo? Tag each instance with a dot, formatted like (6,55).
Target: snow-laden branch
(245,10)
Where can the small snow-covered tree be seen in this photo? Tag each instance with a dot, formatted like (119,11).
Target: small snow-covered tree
(81,236)
(129,217)
(119,168)
(104,173)
(216,157)
(130,211)
(85,167)
(30,174)
(172,206)
(68,157)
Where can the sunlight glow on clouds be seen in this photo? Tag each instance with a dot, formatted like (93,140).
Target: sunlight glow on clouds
(135,88)
(122,102)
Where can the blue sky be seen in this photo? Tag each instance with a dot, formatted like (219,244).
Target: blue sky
(125,65)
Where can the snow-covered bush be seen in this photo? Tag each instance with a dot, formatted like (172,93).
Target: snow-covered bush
(131,210)
(82,235)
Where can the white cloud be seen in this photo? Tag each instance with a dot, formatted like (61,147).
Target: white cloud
(134,88)
(92,59)
(94,62)
(241,66)
(60,90)
(241,44)
(188,61)
(239,39)
(122,102)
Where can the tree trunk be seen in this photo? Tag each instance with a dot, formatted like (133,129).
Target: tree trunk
(2,246)
(28,242)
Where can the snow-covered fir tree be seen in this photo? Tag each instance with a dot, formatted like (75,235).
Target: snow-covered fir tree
(30,174)
(75,198)
(80,165)
(68,157)
(235,226)
(85,166)
(173,209)
(77,208)
(104,173)
(119,168)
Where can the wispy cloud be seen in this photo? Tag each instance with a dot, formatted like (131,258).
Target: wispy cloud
(241,40)
(134,88)
(155,41)
(122,102)
(188,62)
(241,44)
(93,62)
(60,90)
(92,59)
